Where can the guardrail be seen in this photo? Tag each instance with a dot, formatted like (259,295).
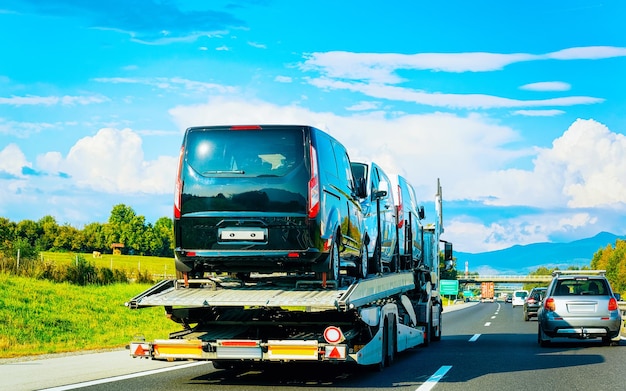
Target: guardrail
(622,307)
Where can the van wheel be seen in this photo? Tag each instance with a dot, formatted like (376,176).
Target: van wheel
(376,265)
(333,262)
(362,267)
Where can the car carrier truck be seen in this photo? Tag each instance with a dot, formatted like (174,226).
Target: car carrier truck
(268,318)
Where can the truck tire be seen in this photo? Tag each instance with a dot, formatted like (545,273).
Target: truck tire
(391,340)
(436,331)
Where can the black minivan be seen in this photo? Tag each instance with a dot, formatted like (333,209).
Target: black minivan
(265,198)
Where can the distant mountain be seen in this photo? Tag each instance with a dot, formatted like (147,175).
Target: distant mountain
(523,259)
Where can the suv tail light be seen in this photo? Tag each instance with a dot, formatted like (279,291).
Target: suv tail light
(314,186)
(613,304)
(179,185)
(549,304)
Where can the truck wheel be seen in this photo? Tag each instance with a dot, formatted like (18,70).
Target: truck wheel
(391,345)
(435,332)
(383,350)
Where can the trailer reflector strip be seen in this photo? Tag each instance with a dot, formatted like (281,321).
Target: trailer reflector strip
(238,349)
(238,343)
(177,348)
(292,350)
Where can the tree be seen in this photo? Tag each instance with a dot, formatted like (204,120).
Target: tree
(49,230)
(94,238)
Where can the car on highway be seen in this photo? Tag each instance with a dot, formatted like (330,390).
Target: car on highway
(518,297)
(509,299)
(579,304)
(533,302)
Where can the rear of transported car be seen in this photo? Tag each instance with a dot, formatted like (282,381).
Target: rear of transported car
(246,200)
(379,213)
(579,306)
(410,229)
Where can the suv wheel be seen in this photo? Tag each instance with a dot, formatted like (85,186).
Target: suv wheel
(542,338)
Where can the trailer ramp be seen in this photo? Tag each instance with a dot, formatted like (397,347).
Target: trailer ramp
(304,295)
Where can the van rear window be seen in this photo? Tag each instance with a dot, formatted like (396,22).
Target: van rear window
(244,153)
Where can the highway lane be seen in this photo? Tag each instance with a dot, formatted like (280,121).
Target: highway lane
(486,347)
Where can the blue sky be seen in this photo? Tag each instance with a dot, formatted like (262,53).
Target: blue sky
(518,107)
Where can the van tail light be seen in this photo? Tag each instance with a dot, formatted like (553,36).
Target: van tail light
(314,186)
(399,214)
(549,305)
(178,190)
(613,304)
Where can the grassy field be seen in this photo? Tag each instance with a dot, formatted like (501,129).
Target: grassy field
(156,266)
(41,317)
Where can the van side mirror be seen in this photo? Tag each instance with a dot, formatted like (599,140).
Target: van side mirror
(420,213)
(381,191)
(447,251)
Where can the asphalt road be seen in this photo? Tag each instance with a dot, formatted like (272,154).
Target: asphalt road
(484,347)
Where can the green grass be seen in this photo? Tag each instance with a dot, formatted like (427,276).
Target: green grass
(157,266)
(42,317)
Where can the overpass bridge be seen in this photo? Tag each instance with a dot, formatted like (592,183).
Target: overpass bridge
(502,279)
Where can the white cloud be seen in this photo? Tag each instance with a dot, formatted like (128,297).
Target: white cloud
(380,67)
(593,164)
(468,101)
(547,86)
(538,113)
(170,84)
(363,106)
(283,79)
(52,100)
(13,160)
(113,161)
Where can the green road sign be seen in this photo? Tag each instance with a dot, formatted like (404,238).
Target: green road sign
(449,287)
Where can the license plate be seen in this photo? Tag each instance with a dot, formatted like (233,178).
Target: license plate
(243,234)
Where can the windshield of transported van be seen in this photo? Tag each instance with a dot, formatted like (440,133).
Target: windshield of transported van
(238,153)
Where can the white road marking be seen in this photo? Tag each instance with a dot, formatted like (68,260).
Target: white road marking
(123,377)
(434,379)
(487,324)
(474,338)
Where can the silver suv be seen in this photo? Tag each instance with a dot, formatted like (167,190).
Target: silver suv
(579,304)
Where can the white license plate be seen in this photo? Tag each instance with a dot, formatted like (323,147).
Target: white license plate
(243,234)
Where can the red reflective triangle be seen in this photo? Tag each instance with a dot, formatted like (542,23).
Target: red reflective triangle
(334,353)
(140,351)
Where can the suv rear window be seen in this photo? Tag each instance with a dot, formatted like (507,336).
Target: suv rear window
(581,286)
(249,153)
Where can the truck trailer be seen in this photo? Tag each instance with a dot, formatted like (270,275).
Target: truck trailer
(257,319)
(302,305)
